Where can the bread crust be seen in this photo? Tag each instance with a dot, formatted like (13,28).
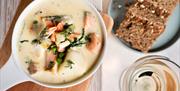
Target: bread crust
(144,22)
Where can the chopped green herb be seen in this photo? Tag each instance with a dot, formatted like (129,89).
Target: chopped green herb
(50,65)
(87,38)
(71,27)
(22,41)
(58,18)
(35,22)
(28,61)
(82,36)
(38,12)
(53,45)
(43,33)
(60,57)
(79,42)
(55,19)
(59,61)
(36,41)
(61,54)
(68,29)
(69,64)
(35,25)
(54,49)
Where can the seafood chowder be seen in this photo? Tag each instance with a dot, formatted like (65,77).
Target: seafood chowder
(59,41)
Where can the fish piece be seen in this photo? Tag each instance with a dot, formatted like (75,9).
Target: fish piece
(60,26)
(93,41)
(53,37)
(49,23)
(72,36)
(50,31)
(32,68)
(50,60)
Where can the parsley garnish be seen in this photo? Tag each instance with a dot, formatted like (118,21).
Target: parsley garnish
(28,61)
(36,41)
(69,64)
(22,41)
(50,65)
(59,61)
(79,42)
(60,57)
(35,22)
(43,33)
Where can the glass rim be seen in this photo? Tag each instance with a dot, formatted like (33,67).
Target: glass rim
(143,60)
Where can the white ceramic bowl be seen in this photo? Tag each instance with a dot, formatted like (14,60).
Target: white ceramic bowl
(12,72)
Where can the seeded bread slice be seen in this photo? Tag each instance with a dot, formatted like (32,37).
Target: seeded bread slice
(145,22)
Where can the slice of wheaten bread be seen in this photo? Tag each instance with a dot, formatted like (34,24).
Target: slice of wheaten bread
(144,22)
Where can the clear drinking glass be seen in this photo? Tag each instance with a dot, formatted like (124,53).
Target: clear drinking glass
(151,73)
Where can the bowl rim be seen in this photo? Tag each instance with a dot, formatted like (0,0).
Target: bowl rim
(65,85)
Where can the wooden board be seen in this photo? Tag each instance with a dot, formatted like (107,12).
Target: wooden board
(5,52)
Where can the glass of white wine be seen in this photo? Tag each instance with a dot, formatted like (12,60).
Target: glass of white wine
(151,73)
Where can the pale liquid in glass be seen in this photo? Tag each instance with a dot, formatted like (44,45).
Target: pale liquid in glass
(153,76)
